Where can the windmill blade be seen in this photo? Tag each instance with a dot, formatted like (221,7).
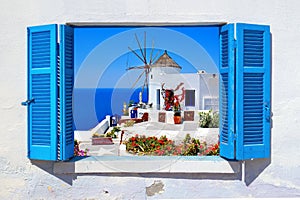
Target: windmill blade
(136,67)
(157,53)
(151,54)
(136,54)
(138,79)
(127,60)
(145,57)
(144,60)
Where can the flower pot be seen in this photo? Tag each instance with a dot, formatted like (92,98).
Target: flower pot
(177,119)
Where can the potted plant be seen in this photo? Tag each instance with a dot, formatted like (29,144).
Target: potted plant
(177,112)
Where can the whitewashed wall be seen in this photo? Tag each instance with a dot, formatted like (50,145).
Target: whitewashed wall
(20,179)
(205,85)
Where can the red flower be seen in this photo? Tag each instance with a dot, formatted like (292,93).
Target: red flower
(161,142)
(160,152)
(178,150)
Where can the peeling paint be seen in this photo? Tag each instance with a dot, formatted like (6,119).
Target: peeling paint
(156,188)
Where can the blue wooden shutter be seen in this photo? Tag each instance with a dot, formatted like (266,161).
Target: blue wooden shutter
(66,70)
(253,91)
(227,91)
(42,91)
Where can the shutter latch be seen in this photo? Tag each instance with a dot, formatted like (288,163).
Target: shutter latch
(267,112)
(27,103)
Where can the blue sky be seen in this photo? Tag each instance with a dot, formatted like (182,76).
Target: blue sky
(102,55)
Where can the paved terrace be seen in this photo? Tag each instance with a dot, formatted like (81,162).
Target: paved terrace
(172,131)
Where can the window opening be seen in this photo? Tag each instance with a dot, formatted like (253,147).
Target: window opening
(190,98)
(211,103)
(128,71)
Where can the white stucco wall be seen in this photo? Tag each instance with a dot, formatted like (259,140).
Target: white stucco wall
(205,86)
(172,81)
(277,177)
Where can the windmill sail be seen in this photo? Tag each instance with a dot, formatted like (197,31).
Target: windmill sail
(146,66)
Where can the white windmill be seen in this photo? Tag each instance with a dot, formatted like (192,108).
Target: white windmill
(147,65)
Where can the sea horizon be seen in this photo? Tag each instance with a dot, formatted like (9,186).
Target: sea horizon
(92,105)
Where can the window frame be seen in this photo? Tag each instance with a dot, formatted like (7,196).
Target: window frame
(186,97)
(234,45)
(212,105)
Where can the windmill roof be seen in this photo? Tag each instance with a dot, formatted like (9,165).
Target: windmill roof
(165,61)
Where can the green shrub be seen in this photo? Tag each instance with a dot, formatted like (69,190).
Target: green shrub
(113,132)
(209,119)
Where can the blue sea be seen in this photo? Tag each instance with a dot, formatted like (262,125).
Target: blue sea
(90,106)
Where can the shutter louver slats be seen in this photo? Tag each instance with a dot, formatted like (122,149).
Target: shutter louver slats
(224,49)
(253,48)
(253,109)
(41,110)
(224,108)
(40,49)
(66,92)
(226,90)
(69,113)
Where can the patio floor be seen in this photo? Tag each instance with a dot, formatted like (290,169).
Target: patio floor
(173,131)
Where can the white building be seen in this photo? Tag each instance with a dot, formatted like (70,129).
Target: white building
(198,91)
